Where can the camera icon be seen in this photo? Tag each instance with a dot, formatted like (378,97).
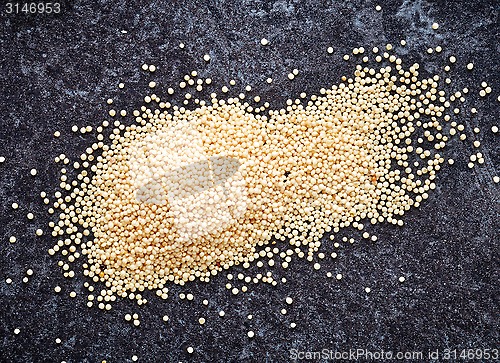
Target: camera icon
(204,194)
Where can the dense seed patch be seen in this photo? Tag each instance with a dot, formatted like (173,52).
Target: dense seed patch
(185,193)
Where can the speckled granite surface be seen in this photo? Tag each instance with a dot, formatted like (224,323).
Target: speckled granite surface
(58,70)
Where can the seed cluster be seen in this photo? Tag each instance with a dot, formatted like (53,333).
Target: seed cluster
(185,193)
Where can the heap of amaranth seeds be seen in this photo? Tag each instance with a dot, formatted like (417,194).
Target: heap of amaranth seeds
(184,194)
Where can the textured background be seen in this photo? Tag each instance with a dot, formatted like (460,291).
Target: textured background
(58,70)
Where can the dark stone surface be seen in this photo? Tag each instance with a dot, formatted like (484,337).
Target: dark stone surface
(58,70)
